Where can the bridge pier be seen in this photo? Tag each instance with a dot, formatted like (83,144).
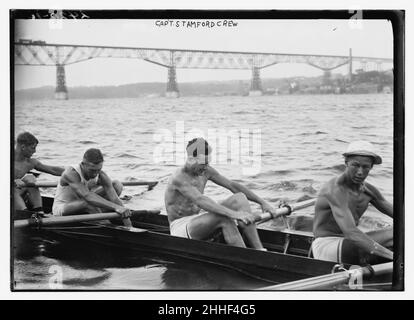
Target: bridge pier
(172,87)
(61,92)
(327,74)
(256,83)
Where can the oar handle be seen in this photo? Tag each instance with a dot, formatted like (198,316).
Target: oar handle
(285,210)
(58,220)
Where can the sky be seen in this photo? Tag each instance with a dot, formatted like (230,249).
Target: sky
(372,38)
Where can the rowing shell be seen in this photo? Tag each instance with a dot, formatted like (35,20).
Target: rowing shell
(287,259)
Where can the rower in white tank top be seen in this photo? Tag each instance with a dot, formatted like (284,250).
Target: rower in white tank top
(65,194)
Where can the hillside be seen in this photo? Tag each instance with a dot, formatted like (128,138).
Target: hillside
(368,82)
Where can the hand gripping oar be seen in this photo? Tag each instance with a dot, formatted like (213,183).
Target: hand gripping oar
(332,279)
(286,210)
(53,184)
(59,220)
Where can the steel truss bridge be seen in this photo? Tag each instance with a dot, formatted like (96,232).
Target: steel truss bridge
(40,53)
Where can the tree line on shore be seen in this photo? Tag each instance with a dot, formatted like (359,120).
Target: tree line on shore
(362,82)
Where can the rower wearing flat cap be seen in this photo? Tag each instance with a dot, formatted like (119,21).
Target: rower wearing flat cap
(338,209)
(362,148)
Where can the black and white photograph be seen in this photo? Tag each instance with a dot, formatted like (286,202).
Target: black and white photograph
(207,150)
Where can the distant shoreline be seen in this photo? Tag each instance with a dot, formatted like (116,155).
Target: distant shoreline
(362,83)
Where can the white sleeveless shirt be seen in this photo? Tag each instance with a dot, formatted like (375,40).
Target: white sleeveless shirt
(65,194)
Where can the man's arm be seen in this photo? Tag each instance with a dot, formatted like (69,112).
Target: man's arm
(206,203)
(338,201)
(235,187)
(378,201)
(54,170)
(71,177)
(106,183)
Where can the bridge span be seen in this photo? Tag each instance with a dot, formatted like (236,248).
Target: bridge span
(40,53)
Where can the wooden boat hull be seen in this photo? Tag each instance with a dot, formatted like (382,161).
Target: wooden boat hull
(287,259)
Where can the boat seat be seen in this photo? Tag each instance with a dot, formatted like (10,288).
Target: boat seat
(217,237)
(288,238)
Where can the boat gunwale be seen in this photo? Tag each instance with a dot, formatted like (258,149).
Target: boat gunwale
(276,261)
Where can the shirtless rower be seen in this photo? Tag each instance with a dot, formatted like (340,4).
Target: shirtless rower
(86,188)
(23,195)
(193,215)
(341,203)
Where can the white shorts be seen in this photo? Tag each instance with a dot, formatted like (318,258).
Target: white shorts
(179,227)
(328,248)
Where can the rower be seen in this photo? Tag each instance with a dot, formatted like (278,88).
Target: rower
(341,203)
(85,188)
(24,196)
(193,215)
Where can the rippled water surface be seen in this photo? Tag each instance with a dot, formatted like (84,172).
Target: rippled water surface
(302,139)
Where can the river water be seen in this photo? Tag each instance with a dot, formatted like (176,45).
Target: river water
(294,144)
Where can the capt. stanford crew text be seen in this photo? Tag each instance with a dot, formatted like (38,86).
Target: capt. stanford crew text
(196,23)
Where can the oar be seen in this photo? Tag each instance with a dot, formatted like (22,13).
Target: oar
(58,220)
(53,184)
(286,210)
(329,280)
